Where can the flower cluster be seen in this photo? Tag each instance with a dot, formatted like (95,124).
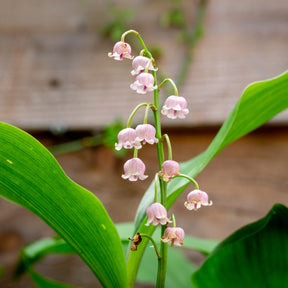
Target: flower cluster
(175,106)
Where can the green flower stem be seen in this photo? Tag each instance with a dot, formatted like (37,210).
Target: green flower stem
(173,220)
(146,70)
(134,112)
(189,178)
(146,113)
(156,180)
(169,146)
(162,260)
(128,32)
(135,155)
(154,244)
(172,83)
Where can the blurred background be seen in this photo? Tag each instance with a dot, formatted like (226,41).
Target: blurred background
(57,83)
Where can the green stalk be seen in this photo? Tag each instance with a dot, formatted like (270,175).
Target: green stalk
(189,178)
(166,137)
(172,83)
(162,259)
(154,244)
(134,112)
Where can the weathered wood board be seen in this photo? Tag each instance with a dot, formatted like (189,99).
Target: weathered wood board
(55,73)
(243,181)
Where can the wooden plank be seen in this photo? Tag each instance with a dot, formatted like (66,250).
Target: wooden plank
(55,76)
(243,181)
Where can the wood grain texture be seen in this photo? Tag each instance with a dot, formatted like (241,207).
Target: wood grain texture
(55,73)
(243,181)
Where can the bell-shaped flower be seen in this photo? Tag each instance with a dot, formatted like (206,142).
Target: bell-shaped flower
(196,199)
(175,235)
(127,139)
(134,169)
(169,168)
(121,50)
(140,63)
(146,133)
(156,214)
(143,83)
(175,107)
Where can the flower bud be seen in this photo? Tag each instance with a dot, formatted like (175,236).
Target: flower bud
(197,198)
(127,139)
(169,168)
(146,133)
(121,50)
(175,235)
(175,107)
(140,63)
(156,214)
(134,169)
(143,83)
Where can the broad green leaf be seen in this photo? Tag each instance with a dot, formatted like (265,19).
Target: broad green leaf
(204,246)
(254,256)
(179,268)
(32,178)
(260,102)
(34,252)
(42,282)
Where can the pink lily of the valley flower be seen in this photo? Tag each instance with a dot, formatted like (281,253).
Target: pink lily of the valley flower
(197,198)
(143,83)
(134,169)
(175,235)
(156,214)
(175,107)
(169,168)
(121,50)
(140,63)
(127,139)
(146,133)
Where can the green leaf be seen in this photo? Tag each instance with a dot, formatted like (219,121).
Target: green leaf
(254,256)
(259,103)
(205,246)
(34,252)
(43,282)
(179,268)
(32,178)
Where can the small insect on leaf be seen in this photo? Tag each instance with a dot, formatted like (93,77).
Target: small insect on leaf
(136,241)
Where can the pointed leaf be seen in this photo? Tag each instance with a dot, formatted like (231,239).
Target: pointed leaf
(42,282)
(260,102)
(254,256)
(32,178)
(34,252)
